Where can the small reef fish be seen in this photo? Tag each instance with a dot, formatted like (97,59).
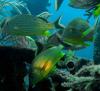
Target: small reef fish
(74,33)
(74,36)
(27,25)
(45,63)
(83,4)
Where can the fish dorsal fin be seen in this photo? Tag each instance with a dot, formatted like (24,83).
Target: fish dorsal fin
(58,24)
(44,19)
(44,16)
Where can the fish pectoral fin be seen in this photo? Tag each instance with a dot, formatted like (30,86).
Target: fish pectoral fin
(47,33)
(85,33)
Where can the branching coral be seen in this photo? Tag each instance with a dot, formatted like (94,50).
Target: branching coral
(82,81)
(77,83)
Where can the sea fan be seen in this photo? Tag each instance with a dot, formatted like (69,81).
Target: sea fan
(13,3)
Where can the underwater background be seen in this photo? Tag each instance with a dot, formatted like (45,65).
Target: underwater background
(49,45)
(37,7)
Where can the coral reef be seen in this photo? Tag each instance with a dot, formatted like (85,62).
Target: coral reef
(15,4)
(71,73)
(86,79)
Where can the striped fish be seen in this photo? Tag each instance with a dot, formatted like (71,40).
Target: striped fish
(27,25)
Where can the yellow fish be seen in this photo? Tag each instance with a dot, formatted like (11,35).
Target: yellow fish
(44,63)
